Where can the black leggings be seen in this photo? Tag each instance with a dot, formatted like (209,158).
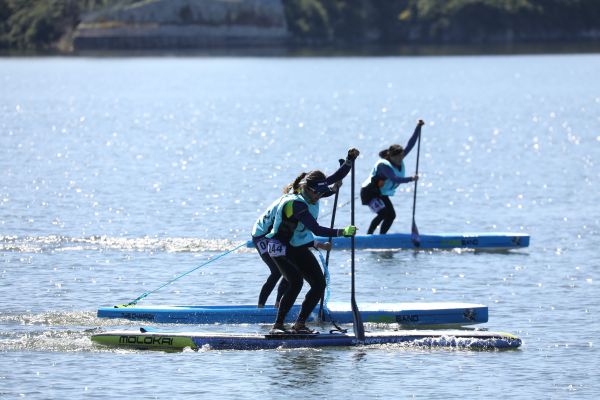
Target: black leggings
(386,214)
(298,265)
(269,285)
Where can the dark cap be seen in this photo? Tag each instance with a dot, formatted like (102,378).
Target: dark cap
(395,149)
(319,186)
(315,181)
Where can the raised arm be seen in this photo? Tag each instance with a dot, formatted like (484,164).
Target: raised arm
(413,139)
(344,168)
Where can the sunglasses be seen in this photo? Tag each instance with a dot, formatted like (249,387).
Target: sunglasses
(314,192)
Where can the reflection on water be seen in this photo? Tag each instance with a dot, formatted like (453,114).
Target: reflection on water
(359,356)
(382,255)
(302,368)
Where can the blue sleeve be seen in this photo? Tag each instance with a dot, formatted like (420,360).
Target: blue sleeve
(385,171)
(411,142)
(339,174)
(303,215)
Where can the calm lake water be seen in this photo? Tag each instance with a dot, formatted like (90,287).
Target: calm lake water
(118,174)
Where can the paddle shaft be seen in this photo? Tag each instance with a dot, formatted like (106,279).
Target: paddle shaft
(359,329)
(414,230)
(335,201)
(416,174)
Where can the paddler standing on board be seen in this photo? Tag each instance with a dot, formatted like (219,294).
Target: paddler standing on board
(292,236)
(262,226)
(387,174)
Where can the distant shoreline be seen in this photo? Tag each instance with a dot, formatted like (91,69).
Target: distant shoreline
(292,27)
(532,48)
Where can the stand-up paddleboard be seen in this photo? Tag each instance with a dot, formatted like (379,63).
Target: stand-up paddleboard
(405,314)
(495,241)
(176,341)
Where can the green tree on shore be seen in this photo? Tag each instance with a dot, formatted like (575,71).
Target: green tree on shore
(442,21)
(40,24)
(44,24)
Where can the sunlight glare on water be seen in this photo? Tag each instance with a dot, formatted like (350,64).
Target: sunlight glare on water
(120,174)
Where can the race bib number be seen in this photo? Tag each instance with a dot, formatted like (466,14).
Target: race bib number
(262,245)
(276,248)
(376,205)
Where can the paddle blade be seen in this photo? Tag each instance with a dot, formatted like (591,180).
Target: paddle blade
(414,235)
(359,329)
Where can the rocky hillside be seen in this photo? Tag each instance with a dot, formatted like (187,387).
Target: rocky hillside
(172,24)
(236,24)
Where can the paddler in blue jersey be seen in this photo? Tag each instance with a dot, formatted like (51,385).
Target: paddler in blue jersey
(262,226)
(291,238)
(387,174)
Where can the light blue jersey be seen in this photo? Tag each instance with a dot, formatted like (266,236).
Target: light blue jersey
(301,234)
(389,186)
(264,223)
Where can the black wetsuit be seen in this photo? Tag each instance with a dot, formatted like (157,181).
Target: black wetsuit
(260,243)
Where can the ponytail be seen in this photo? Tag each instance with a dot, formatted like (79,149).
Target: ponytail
(294,185)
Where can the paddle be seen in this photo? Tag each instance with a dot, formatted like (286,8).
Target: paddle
(359,329)
(335,201)
(414,236)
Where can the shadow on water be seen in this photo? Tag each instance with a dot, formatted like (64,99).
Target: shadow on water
(404,255)
(302,368)
(382,255)
(359,356)
(308,367)
(393,257)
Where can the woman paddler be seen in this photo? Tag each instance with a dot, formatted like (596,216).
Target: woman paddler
(387,174)
(291,238)
(262,226)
